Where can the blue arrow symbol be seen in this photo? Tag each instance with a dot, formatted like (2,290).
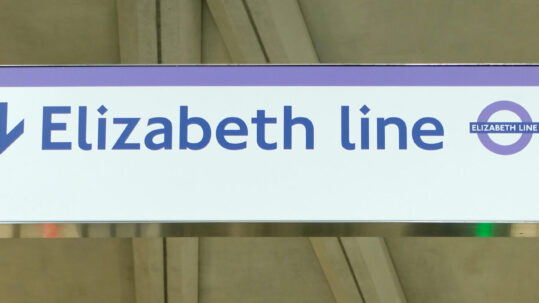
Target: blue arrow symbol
(6,139)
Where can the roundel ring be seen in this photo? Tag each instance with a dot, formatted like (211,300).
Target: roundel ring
(515,108)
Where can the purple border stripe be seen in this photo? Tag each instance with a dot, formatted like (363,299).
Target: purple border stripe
(310,75)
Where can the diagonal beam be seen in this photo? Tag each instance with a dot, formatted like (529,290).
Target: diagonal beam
(282,31)
(213,47)
(335,266)
(238,33)
(374,270)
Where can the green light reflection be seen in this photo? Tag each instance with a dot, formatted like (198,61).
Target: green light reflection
(484,230)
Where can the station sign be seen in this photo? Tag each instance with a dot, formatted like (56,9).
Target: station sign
(269,144)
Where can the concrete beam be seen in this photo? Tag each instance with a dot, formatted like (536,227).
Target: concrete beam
(148,263)
(282,31)
(181,31)
(137,28)
(182,270)
(338,273)
(374,270)
(238,33)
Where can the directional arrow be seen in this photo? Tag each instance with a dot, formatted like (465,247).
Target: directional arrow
(6,139)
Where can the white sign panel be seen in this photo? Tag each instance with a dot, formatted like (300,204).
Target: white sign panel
(205,144)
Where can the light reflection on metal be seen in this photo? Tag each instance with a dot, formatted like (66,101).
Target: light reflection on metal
(130,230)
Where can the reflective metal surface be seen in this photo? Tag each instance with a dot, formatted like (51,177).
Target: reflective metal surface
(121,230)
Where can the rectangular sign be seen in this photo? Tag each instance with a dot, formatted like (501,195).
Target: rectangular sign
(269,143)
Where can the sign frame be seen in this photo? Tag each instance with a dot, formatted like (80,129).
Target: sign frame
(247,75)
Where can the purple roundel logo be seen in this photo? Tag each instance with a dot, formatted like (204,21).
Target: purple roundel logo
(483,127)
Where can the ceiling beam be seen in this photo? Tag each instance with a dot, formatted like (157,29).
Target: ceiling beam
(181,31)
(149,273)
(182,270)
(282,31)
(374,270)
(214,50)
(336,269)
(237,31)
(137,28)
